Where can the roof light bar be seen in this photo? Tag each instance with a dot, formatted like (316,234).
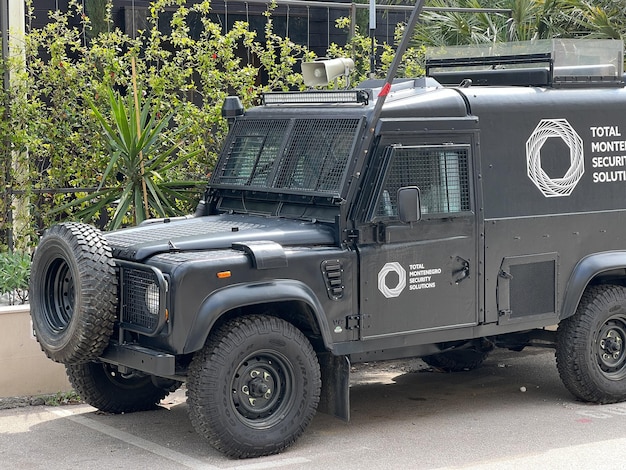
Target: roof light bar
(317,97)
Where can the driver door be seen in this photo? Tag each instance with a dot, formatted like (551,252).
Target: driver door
(421,277)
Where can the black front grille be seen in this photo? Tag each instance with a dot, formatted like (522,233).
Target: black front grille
(142,297)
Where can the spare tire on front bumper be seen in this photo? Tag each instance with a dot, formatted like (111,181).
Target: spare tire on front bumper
(73,293)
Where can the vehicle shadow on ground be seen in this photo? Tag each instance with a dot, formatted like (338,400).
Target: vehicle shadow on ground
(398,397)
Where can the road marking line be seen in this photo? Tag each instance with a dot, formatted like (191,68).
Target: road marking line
(144,444)
(271,464)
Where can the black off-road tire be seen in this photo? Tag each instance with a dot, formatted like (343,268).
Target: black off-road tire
(457,361)
(105,388)
(254,387)
(591,346)
(73,292)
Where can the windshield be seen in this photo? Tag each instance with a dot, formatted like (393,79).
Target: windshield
(287,155)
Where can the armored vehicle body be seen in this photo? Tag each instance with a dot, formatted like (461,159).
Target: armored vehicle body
(476,208)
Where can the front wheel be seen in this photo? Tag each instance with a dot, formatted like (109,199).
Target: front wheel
(254,387)
(591,346)
(103,387)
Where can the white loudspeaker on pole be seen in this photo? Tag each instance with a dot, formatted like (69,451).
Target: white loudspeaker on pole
(322,72)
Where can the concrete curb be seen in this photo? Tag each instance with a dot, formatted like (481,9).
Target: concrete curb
(26,371)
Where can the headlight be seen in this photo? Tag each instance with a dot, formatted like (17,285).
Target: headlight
(152,298)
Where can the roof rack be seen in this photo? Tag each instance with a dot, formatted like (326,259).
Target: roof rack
(552,62)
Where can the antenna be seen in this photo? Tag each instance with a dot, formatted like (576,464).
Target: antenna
(397,60)
(391,73)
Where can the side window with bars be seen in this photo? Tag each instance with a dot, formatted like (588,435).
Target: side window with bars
(440,172)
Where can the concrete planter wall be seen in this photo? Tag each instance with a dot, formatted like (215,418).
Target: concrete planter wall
(24,368)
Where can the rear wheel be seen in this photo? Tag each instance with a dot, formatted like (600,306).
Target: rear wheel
(254,388)
(103,387)
(457,361)
(73,291)
(591,346)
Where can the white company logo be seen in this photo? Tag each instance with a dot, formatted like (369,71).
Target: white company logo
(394,267)
(555,187)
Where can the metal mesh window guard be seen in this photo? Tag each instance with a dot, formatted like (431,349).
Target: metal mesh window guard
(300,154)
(251,153)
(441,174)
(317,155)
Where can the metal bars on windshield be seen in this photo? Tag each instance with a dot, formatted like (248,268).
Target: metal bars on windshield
(288,155)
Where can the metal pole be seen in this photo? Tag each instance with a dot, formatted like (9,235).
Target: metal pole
(352,20)
(4,27)
(373,38)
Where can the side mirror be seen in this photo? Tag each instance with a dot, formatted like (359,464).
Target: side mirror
(409,204)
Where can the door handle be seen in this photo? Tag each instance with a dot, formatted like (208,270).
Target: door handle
(463,272)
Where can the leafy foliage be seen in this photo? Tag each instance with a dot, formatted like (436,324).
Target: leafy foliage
(527,20)
(14,276)
(63,161)
(359,49)
(71,167)
(137,159)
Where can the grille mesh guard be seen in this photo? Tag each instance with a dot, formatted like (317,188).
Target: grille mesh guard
(142,295)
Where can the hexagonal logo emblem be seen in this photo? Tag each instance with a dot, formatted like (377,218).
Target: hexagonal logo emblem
(391,292)
(561,129)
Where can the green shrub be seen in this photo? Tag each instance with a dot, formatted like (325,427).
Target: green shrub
(60,143)
(14,276)
(59,154)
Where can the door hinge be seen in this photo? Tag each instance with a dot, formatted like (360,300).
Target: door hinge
(352,235)
(353,322)
(380,233)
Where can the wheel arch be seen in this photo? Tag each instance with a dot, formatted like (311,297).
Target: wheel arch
(592,269)
(283,297)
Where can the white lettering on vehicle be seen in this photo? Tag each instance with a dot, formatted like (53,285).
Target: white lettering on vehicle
(605,131)
(611,168)
(419,278)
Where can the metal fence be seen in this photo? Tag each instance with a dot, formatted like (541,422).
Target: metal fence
(307,22)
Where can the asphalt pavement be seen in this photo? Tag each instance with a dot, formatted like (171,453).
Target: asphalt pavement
(512,413)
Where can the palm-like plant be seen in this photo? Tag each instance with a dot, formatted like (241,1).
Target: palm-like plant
(138,160)
(600,19)
(528,19)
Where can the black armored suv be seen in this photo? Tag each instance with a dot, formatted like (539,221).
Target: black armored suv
(475,208)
